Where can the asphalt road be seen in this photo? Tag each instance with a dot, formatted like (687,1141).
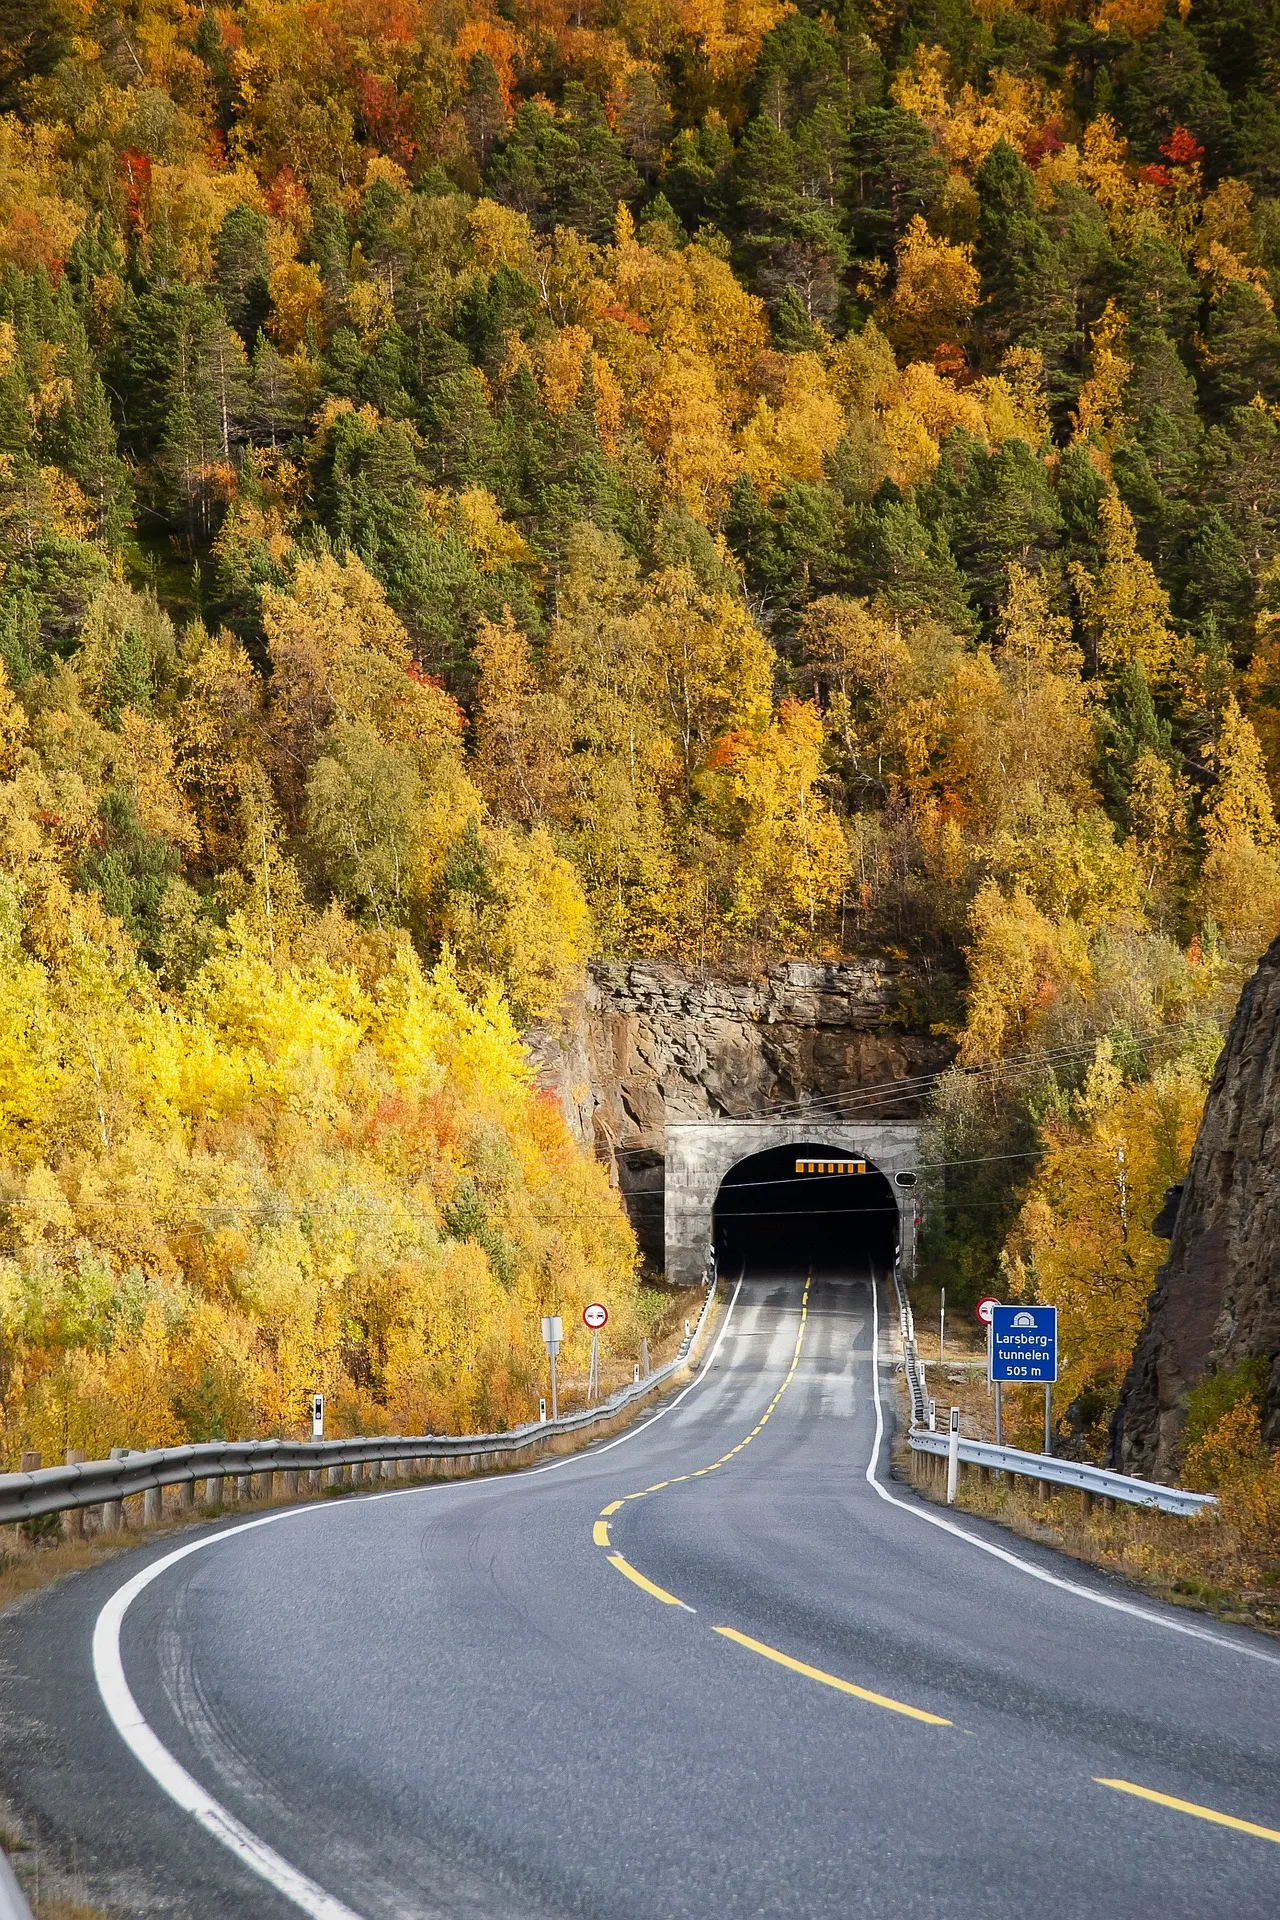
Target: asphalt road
(454,1702)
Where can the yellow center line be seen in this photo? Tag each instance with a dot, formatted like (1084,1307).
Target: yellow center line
(600,1535)
(647,1586)
(1190,1806)
(832,1679)
(677,1479)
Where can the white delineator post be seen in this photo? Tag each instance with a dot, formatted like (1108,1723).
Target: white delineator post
(953,1455)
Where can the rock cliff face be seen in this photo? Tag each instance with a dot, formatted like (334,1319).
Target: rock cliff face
(1217,1298)
(650,1041)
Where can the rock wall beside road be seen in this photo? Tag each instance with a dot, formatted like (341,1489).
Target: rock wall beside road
(1217,1298)
(649,1041)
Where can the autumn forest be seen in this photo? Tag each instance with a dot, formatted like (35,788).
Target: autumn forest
(484,486)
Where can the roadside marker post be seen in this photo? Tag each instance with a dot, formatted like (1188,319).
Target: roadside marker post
(942,1324)
(552,1338)
(542,1409)
(317,1416)
(953,1455)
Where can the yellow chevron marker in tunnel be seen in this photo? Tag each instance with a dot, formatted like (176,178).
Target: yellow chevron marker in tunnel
(831,1166)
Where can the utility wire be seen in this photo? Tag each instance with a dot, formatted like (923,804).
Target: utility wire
(915,1086)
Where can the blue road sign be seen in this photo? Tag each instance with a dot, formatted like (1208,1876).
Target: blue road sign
(1024,1344)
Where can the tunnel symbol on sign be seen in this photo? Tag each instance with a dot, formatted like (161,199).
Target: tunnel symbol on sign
(1024,1320)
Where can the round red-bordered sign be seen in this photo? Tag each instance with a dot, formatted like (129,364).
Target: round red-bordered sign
(595,1316)
(984,1309)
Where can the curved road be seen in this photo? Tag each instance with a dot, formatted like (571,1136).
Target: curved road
(759,1686)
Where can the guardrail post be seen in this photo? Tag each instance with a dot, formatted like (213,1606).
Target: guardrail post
(213,1490)
(290,1482)
(186,1496)
(75,1515)
(1086,1502)
(244,1486)
(267,1484)
(152,1506)
(112,1516)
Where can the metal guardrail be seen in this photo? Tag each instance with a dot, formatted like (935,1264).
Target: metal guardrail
(13,1905)
(912,1365)
(1097,1482)
(105,1483)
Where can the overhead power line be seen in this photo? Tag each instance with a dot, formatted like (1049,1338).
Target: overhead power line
(856,1100)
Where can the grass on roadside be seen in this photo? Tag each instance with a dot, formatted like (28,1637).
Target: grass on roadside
(1208,1562)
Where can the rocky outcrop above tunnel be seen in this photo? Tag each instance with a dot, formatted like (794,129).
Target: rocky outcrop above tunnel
(1217,1298)
(649,1042)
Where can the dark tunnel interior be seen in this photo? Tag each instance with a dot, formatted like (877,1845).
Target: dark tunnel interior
(772,1216)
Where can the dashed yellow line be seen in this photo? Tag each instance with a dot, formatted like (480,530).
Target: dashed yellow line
(646,1586)
(1191,1807)
(600,1535)
(832,1679)
(679,1479)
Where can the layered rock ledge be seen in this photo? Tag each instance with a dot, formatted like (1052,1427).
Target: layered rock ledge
(1217,1297)
(649,1041)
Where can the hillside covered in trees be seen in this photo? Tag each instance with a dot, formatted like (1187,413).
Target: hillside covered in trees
(481,486)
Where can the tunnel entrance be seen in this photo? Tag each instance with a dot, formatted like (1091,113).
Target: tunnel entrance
(803,1203)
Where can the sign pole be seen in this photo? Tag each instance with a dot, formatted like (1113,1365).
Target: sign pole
(1048,1427)
(552,1335)
(953,1455)
(999,1428)
(942,1325)
(595,1316)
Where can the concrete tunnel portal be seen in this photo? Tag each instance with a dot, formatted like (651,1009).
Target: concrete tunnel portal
(732,1186)
(802,1205)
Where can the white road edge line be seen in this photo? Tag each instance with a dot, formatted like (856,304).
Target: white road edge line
(589,1453)
(155,1758)
(127,1719)
(1012,1559)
